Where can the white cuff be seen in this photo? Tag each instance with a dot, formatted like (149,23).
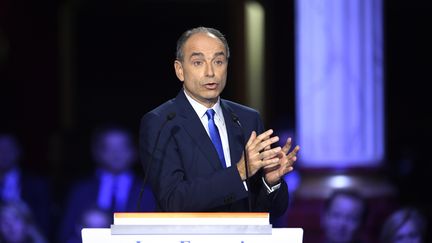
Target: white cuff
(271,189)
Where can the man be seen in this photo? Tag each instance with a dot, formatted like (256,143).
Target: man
(113,187)
(405,225)
(343,217)
(195,142)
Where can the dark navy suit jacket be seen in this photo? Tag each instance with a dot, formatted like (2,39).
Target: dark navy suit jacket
(186,174)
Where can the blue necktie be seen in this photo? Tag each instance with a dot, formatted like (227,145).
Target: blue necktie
(215,137)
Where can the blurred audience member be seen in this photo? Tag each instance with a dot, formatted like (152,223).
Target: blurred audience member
(406,225)
(17,224)
(114,186)
(91,218)
(344,214)
(18,185)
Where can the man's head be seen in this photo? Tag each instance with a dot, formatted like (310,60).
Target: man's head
(113,148)
(343,216)
(406,225)
(94,217)
(201,64)
(10,152)
(187,34)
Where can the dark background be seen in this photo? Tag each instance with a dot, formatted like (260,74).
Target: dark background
(71,66)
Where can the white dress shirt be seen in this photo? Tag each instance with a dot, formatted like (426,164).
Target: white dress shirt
(117,186)
(11,188)
(220,123)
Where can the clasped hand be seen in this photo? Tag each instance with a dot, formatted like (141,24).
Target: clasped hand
(275,162)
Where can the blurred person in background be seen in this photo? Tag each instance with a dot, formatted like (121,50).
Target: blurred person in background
(114,185)
(343,218)
(18,185)
(406,225)
(17,224)
(93,217)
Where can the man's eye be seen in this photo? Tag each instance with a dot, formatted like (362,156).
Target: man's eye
(197,63)
(219,62)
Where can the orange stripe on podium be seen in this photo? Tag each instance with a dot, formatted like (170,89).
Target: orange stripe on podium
(192,215)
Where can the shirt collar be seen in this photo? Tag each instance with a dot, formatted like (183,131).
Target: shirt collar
(105,173)
(201,109)
(12,175)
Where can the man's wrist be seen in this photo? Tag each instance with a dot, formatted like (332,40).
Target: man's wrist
(271,189)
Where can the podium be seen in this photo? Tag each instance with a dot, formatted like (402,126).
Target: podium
(191,228)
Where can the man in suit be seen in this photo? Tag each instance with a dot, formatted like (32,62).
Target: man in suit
(196,166)
(113,187)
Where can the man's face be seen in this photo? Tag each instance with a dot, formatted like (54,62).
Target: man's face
(9,153)
(203,69)
(407,233)
(115,152)
(343,219)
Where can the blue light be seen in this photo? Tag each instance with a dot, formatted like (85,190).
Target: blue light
(339,83)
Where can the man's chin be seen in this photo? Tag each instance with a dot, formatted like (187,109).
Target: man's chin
(212,99)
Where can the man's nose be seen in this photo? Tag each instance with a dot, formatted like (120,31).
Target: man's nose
(209,70)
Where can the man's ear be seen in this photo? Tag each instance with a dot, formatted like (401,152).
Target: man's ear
(179,70)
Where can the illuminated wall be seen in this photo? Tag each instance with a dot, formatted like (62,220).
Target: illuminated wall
(255,41)
(339,83)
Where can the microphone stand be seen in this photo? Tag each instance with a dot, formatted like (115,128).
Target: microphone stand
(168,118)
(236,120)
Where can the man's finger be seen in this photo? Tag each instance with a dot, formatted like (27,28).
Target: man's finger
(270,162)
(266,143)
(269,154)
(293,152)
(261,137)
(251,138)
(287,146)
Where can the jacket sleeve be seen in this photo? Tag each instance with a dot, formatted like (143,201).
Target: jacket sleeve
(276,202)
(178,174)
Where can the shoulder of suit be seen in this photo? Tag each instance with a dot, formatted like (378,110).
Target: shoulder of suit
(162,110)
(238,108)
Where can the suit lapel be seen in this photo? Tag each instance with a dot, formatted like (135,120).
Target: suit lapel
(193,126)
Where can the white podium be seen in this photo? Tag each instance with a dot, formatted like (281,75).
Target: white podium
(192,228)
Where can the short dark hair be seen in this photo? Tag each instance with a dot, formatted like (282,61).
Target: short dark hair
(101,131)
(10,136)
(188,33)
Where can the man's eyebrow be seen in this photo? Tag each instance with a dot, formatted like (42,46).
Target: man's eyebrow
(194,54)
(221,53)
(200,54)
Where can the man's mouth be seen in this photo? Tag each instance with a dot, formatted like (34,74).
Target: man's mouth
(211,85)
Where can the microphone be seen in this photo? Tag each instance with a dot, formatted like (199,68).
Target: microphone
(168,118)
(237,120)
